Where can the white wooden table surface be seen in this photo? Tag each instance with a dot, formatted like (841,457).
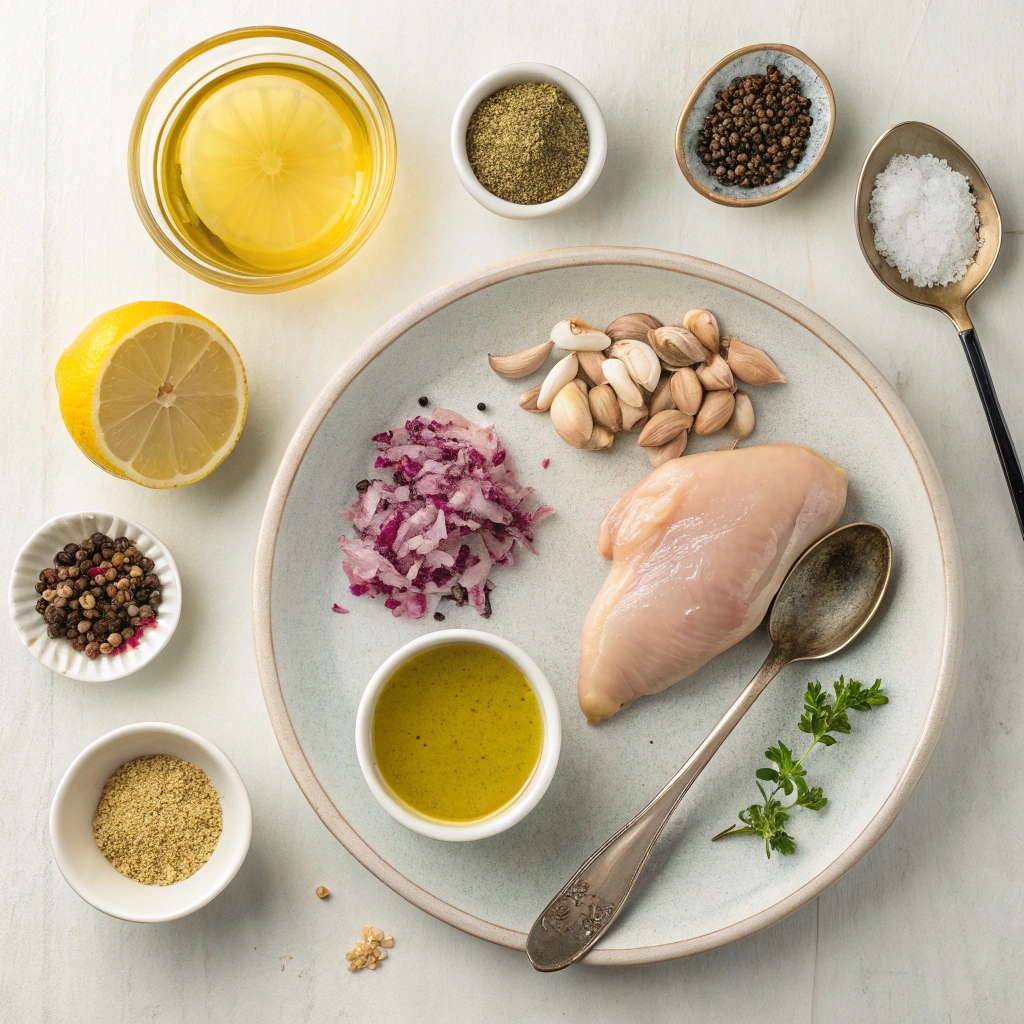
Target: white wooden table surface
(929,926)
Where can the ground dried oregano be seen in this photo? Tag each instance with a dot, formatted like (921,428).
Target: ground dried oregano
(528,143)
(158,820)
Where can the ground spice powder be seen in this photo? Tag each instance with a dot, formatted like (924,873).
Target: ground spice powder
(528,143)
(158,820)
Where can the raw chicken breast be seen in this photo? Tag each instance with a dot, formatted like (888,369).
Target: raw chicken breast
(698,550)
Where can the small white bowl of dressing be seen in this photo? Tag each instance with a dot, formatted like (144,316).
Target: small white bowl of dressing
(414,725)
(515,74)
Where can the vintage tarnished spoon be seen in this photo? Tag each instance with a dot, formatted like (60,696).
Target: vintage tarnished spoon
(829,596)
(917,139)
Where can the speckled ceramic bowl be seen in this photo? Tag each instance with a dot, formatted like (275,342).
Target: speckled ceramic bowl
(58,655)
(752,60)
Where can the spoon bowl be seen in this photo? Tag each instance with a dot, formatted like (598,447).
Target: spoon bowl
(917,139)
(832,592)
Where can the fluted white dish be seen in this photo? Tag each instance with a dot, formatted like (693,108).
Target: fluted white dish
(58,654)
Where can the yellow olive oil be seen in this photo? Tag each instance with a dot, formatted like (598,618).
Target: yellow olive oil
(457,732)
(267,169)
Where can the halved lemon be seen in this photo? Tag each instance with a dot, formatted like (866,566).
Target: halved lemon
(154,393)
(268,162)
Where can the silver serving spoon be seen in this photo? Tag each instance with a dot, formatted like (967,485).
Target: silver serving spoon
(829,596)
(917,139)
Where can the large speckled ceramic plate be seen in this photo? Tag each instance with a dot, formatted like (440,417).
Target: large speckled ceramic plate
(695,895)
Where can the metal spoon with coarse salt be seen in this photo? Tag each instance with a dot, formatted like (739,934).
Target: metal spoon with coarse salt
(827,599)
(917,139)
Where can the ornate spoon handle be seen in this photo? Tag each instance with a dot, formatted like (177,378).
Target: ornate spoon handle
(591,900)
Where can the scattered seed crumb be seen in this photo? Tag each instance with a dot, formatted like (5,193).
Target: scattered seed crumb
(423,400)
(545,464)
(438,617)
(323,892)
(283,958)
(370,950)
(481,407)
(338,609)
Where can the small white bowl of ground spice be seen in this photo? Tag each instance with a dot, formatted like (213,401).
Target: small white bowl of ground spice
(528,140)
(150,822)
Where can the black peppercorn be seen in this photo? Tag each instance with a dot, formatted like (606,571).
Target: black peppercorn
(423,400)
(481,406)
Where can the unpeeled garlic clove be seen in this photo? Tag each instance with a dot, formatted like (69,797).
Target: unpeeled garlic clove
(600,439)
(590,364)
(666,452)
(741,423)
(664,427)
(753,366)
(632,327)
(716,375)
(687,391)
(578,336)
(704,328)
(521,364)
(633,417)
(662,399)
(528,400)
(570,414)
(676,347)
(641,360)
(618,376)
(715,411)
(558,376)
(604,407)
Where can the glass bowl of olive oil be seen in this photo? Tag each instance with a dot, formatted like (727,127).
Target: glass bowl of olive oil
(262,159)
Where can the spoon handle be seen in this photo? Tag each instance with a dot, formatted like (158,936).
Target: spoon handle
(1001,436)
(589,902)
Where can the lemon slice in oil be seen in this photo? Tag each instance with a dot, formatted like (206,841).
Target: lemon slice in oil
(268,162)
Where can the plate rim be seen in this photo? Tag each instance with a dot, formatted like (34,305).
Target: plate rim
(558,259)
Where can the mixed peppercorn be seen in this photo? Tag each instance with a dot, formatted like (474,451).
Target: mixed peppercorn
(757,130)
(100,594)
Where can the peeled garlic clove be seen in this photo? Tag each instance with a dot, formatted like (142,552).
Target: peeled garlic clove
(704,327)
(632,327)
(600,439)
(570,413)
(641,360)
(521,364)
(558,376)
(528,400)
(716,375)
(687,391)
(664,427)
(579,336)
(667,452)
(715,412)
(753,366)
(633,417)
(618,376)
(604,407)
(676,347)
(741,423)
(662,398)
(590,364)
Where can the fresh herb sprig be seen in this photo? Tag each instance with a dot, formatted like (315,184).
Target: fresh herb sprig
(823,715)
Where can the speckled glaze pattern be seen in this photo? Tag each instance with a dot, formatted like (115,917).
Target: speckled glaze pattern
(314,664)
(753,61)
(58,655)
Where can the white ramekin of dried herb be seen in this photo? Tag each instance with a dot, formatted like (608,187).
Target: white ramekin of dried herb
(150,822)
(94,596)
(528,140)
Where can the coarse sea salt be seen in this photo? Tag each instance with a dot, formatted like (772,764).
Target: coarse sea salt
(925,221)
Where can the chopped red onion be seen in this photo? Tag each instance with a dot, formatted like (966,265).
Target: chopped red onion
(453,512)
